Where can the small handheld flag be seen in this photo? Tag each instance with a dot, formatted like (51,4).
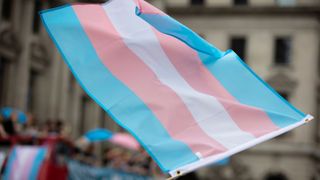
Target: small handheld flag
(125,140)
(188,103)
(24,162)
(100,134)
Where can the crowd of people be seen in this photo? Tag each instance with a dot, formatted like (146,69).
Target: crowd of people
(120,159)
(17,123)
(13,123)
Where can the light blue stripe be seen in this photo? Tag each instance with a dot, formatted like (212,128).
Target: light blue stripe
(10,163)
(111,94)
(250,89)
(172,27)
(229,69)
(37,163)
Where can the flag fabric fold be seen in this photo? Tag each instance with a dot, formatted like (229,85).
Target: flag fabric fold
(188,103)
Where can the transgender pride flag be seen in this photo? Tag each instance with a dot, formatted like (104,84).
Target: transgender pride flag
(188,103)
(24,162)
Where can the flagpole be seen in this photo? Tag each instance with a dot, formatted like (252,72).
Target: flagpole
(209,160)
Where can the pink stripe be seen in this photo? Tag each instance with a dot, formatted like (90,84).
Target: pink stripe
(188,64)
(127,67)
(30,161)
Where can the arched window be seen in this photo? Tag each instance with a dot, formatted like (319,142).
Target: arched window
(6,9)
(36,16)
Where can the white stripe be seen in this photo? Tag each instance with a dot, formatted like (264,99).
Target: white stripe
(23,154)
(206,110)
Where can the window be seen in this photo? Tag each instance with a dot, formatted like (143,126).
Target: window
(32,90)
(107,122)
(6,9)
(276,176)
(240,2)
(282,53)
(197,2)
(71,83)
(36,16)
(238,45)
(84,113)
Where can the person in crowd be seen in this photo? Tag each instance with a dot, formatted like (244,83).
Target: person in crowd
(89,155)
(140,163)
(58,126)
(48,129)
(156,171)
(30,128)
(105,156)
(10,124)
(3,133)
(55,128)
(125,159)
(62,129)
(115,157)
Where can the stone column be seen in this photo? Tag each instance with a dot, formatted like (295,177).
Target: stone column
(17,18)
(10,81)
(24,35)
(53,104)
(9,85)
(260,55)
(93,118)
(64,92)
(74,110)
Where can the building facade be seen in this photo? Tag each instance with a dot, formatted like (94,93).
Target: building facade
(279,39)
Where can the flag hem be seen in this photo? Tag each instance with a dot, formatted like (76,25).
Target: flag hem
(211,159)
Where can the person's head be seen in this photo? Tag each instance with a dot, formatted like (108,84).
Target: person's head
(90,148)
(127,156)
(32,122)
(114,153)
(59,125)
(48,126)
(106,151)
(30,119)
(14,116)
(52,125)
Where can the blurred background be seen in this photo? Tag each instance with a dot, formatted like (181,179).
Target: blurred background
(278,39)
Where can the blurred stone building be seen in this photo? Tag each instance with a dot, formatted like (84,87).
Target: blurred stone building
(33,76)
(279,39)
